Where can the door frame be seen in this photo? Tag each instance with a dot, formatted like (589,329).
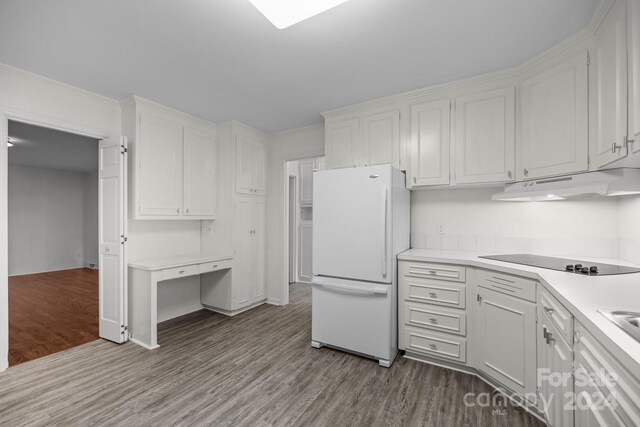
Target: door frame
(7,115)
(293,228)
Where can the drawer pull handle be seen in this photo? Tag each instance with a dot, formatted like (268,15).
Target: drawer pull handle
(549,310)
(181,272)
(433,295)
(433,347)
(432,272)
(433,320)
(215,265)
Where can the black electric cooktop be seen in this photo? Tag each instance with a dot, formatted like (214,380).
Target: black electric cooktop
(563,264)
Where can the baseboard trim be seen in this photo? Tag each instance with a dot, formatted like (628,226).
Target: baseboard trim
(232,313)
(80,267)
(143,345)
(274,301)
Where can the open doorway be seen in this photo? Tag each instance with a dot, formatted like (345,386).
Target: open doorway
(300,217)
(53,208)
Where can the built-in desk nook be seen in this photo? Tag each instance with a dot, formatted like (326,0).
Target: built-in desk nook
(144,276)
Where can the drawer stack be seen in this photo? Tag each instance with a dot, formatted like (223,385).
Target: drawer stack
(432,317)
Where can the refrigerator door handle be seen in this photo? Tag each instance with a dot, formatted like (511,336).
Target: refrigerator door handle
(385,195)
(369,290)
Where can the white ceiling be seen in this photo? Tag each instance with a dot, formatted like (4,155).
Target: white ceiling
(222,60)
(52,149)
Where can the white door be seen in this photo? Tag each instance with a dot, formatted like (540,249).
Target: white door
(258,176)
(633,27)
(430,133)
(381,139)
(244,165)
(610,73)
(242,267)
(305,172)
(342,139)
(485,136)
(258,249)
(306,250)
(351,223)
(112,232)
(554,121)
(199,173)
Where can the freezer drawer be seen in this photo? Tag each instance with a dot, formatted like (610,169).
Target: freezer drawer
(354,316)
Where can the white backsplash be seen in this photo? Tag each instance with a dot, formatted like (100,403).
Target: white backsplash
(597,228)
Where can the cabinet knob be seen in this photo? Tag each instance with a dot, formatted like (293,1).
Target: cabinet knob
(433,295)
(187,210)
(526,172)
(433,320)
(178,210)
(549,310)
(509,174)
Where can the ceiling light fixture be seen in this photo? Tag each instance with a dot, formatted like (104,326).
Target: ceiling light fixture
(284,13)
(9,143)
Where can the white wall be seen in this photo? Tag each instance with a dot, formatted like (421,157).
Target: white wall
(476,223)
(629,228)
(91,219)
(46,219)
(295,144)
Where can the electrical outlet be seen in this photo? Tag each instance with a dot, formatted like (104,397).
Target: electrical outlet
(441,227)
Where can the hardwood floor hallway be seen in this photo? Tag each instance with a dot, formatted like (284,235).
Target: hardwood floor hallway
(51,312)
(254,369)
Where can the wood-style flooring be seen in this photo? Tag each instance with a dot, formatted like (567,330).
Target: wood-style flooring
(254,369)
(51,312)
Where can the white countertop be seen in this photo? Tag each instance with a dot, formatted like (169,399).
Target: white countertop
(154,264)
(582,295)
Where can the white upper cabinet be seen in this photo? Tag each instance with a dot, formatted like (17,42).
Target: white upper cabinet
(380,139)
(341,143)
(610,84)
(430,132)
(159,167)
(372,138)
(305,172)
(634,73)
(174,162)
(199,173)
(554,120)
(485,136)
(250,166)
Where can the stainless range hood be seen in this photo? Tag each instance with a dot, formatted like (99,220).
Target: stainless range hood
(613,182)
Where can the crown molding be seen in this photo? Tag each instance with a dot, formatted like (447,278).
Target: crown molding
(134,100)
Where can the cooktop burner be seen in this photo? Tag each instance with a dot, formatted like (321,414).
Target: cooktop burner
(562,264)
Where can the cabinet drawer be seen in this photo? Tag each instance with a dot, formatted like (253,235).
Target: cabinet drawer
(434,292)
(174,273)
(207,267)
(557,314)
(453,273)
(435,345)
(507,284)
(435,318)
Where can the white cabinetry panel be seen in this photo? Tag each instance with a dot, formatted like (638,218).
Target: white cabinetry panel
(380,139)
(305,172)
(199,173)
(554,120)
(485,136)
(634,73)
(610,75)
(430,138)
(159,154)
(341,147)
(306,247)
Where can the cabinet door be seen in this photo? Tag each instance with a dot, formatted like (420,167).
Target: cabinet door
(243,260)
(506,332)
(258,242)
(305,171)
(633,50)
(381,139)
(319,164)
(610,75)
(430,131)
(244,165)
(554,122)
(305,246)
(258,176)
(159,153)
(341,144)
(485,137)
(199,173)
(555,370)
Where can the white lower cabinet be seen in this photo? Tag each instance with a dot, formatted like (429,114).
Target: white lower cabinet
(555,362)
(305,236)
(505,330)
(249,262)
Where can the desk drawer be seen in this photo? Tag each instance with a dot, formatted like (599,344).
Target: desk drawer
(507,284)
(208,267)
(435,345)
(435,318)
(434,292)
(174,273)
(454,273)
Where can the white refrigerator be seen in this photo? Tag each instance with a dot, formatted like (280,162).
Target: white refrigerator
(360,224)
